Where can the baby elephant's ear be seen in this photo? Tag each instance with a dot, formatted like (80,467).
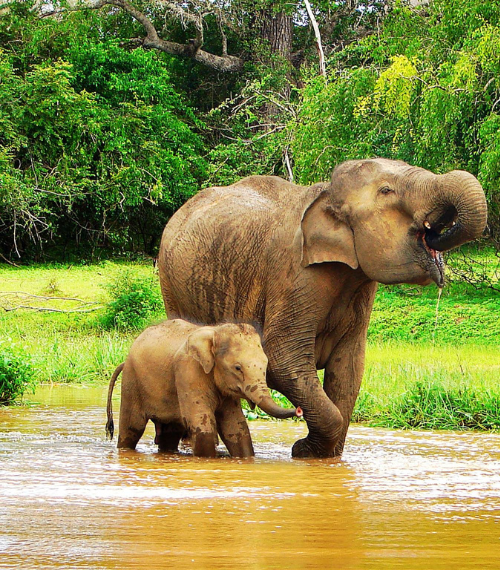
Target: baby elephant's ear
(200,345)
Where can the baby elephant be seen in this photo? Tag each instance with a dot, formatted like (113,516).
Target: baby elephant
(190,378)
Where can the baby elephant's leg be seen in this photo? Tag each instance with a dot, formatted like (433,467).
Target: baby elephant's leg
(203,433)
(233,429)
(133,420)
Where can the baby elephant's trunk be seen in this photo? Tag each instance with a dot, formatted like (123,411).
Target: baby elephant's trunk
(268,405)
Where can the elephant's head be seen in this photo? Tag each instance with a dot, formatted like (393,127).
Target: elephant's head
(235,355)
(392,220)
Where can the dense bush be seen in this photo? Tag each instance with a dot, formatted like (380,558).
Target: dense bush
(16,376)
(134,302)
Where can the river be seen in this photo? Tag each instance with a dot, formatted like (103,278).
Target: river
(409,500)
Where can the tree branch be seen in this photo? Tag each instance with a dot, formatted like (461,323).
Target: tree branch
(192,50)
(321,54)
(8,305)
(50,310)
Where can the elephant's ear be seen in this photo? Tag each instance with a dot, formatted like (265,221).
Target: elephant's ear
(200,346)
(325,237)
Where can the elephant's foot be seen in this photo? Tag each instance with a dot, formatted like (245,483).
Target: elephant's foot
(306,448)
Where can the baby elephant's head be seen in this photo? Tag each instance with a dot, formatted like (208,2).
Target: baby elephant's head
(239,365)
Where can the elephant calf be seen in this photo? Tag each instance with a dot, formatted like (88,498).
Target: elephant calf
(186,377)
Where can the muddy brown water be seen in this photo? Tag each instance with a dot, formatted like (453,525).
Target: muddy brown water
(69,499)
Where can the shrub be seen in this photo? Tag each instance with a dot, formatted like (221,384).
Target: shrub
(365,408)
(429,405)
(134,301)
(16,376)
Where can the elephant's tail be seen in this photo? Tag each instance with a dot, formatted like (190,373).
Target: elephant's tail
(110,425)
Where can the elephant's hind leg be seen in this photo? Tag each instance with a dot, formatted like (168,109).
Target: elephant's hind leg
(132,425)
(168,436)
(129,437)
(233,429)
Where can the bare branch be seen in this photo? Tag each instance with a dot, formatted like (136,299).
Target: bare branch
(192,50)
(49,309)
(45,297)
(288,166)
(8,261)
(322,67)
(7,303)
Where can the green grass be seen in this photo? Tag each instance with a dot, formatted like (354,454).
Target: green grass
(420,373)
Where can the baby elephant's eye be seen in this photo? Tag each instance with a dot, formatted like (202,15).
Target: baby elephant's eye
(386,190)
(238,367)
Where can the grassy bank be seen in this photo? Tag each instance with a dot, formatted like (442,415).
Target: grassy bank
(453,386)
(424,369)
(63,336)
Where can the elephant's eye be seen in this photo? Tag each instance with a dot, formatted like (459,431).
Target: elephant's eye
(238,367)
(386,190)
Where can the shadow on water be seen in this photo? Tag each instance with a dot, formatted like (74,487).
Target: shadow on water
(69,499)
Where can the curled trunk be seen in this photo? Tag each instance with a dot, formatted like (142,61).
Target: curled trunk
(459,200)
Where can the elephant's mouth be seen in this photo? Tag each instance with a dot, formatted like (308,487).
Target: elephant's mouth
(434,263)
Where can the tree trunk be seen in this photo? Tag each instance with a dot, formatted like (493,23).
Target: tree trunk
(277,29)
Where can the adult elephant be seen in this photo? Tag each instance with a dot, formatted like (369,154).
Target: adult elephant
(303,264)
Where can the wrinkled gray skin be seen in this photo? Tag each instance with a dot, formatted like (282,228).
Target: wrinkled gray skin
(303,263)
(185,377)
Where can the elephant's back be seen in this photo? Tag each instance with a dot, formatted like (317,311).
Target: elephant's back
(212,207)
(214,252)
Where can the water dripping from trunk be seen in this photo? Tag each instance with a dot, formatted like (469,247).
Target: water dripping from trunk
(437,315)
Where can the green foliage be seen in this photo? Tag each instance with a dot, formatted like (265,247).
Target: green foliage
(252,128)
(135,300)
(16,375)
(94,140)
(327,132)
(425,90)
(101,143)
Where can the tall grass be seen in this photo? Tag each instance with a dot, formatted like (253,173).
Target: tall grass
(430,387)
(427,405)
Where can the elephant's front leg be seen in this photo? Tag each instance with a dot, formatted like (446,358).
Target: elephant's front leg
(233,429)
(304,389)
(203,429)
(322,416)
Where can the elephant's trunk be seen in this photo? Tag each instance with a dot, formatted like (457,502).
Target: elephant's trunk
(261,397)
(460,200)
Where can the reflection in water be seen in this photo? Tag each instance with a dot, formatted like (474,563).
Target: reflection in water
(69,499)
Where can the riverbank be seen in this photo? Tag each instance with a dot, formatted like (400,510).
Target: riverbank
(425,367)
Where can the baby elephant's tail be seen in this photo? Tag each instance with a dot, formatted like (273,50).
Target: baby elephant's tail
(110,425)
